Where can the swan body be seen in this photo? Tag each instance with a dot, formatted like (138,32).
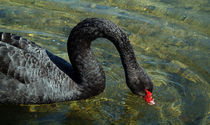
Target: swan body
(30,74)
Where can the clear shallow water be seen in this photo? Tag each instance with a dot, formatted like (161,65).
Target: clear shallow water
(171,39)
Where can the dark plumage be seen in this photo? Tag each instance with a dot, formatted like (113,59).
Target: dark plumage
(31,74)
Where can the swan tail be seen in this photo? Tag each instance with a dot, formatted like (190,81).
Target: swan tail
(19,42)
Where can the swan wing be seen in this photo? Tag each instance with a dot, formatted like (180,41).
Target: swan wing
(20,42)
(27,75)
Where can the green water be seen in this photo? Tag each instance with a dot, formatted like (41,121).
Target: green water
(171,39)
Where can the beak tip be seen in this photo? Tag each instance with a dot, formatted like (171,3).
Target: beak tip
(152,102)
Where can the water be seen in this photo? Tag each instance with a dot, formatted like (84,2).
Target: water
(171,39)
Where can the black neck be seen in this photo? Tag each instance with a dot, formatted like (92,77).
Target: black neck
(88,71)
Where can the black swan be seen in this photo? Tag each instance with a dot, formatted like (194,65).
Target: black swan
(30,74)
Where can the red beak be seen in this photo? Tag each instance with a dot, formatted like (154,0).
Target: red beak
(148,98)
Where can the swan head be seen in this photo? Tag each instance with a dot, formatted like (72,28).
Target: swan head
(138,82)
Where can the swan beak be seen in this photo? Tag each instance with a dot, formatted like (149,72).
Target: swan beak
(148,98)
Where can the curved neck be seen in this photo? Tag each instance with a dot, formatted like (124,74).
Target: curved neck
(88,71)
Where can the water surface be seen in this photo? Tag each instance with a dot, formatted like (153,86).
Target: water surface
(171,39)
